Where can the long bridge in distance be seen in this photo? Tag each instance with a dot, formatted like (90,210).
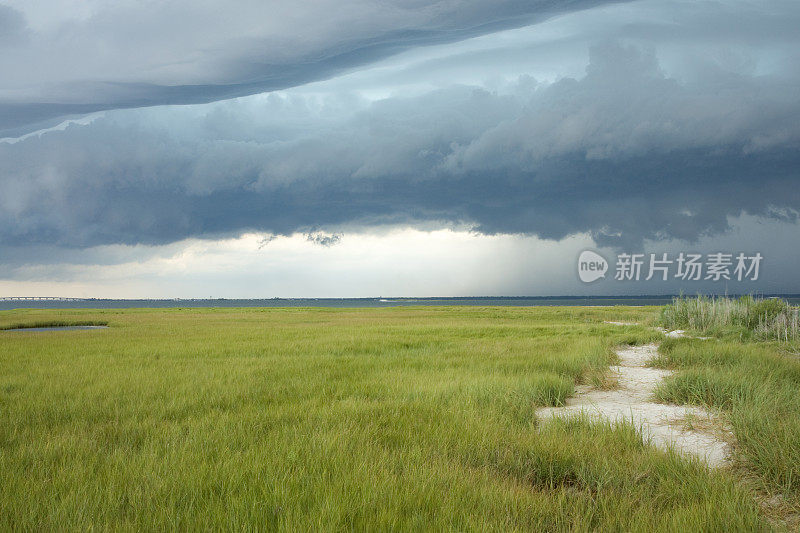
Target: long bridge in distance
(39,299)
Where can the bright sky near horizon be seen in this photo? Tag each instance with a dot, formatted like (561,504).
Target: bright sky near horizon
(406,148)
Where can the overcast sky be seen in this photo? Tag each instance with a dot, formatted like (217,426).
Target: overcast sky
(407,148)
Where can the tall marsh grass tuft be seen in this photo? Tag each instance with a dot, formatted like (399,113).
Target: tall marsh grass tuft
(762,318)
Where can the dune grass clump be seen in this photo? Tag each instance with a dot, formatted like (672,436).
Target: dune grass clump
(760,318)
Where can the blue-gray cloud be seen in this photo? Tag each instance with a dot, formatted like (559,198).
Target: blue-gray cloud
(624,152)
(13,29)
(125,55)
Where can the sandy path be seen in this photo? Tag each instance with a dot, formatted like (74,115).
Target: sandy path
(687,429)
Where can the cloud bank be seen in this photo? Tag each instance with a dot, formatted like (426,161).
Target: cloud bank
(63,58)
(624,153)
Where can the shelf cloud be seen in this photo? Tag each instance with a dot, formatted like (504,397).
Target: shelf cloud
(624,153)
(66,58)
(623,123)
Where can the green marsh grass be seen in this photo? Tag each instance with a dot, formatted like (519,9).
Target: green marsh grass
(757,386)
(401,419)
(749,317)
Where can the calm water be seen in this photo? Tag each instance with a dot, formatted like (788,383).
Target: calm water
(349,302)
(54,328)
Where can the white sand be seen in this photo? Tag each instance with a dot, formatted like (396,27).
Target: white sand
(666,425)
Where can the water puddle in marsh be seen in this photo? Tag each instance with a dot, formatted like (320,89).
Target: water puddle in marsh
(55,328)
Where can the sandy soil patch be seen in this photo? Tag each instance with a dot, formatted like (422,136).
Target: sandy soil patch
(687,429)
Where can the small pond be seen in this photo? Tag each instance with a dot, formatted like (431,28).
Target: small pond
(56,328)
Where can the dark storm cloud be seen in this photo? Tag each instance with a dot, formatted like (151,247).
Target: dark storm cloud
(182,52)
(324,239)
(625,153)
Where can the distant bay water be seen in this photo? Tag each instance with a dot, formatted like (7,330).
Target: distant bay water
(96,303)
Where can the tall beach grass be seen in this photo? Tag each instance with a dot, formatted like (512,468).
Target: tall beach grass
(750,372)
(761,318)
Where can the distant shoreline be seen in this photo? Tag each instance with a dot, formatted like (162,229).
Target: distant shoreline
(524,301)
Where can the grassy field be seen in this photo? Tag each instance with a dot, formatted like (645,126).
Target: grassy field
(403,419)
